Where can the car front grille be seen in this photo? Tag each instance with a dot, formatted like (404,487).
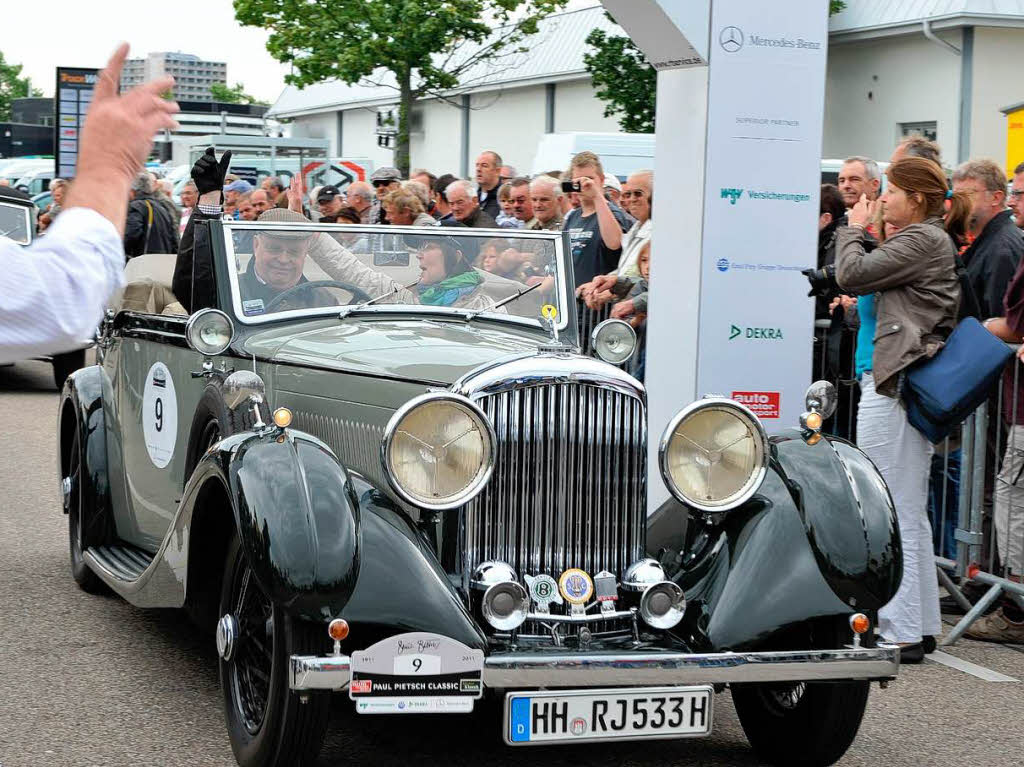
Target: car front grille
(569,484)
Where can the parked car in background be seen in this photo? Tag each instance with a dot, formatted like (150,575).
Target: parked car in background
(394,477)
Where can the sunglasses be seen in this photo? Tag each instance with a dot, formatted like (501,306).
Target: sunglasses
(379,184)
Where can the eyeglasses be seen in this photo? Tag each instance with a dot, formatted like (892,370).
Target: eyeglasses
(638,194)
(1015,193)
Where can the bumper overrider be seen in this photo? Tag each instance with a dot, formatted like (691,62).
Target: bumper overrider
(580,670)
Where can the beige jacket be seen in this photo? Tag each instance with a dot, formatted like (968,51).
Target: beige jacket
(340,264)
(914,274)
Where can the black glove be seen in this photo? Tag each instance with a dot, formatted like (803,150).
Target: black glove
(823,281)
(208,173)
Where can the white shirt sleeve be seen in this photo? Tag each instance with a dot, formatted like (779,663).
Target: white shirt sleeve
(53,293)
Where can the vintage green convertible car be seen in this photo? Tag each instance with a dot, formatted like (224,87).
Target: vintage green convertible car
(375,469)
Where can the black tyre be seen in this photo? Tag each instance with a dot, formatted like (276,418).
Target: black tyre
(269,725)
(86,579)
(801,724)
(212,422)
(65,364)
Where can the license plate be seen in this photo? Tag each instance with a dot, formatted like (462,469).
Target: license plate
(616,714)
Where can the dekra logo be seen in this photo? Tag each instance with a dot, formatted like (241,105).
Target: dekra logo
(755,334)
(731,194)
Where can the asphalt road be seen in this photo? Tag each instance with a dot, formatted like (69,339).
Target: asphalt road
(90,680)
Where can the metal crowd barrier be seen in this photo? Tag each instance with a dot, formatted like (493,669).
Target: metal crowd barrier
(587,319)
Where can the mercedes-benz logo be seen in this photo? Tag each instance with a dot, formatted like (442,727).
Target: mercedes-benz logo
(731,39)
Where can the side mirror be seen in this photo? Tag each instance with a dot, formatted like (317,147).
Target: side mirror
(244,386)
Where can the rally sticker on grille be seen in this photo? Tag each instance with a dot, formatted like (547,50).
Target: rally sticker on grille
(416,673)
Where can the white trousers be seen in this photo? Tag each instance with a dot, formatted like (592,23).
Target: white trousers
(1008,509)
(903,456)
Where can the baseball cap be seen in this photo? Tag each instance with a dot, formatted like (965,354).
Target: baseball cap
(244,187)
(283,216)
(611,182)
(386,173)
(327,193)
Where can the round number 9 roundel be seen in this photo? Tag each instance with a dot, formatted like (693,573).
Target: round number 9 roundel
(159,415)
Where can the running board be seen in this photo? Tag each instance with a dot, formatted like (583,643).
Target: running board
(125,562)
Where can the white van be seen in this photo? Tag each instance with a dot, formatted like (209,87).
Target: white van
(620,153)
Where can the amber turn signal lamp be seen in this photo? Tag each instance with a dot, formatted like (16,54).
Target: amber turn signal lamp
(813,421)
(338,629)
(282,417)
(859,623)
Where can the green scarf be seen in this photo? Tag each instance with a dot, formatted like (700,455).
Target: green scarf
(451,289)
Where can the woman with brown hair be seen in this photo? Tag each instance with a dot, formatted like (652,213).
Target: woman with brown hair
(909,295)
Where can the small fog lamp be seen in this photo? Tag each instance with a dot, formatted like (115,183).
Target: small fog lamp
(614,341)
(662,605)
(505,605)
(821,398)
(282,417)
(337,629)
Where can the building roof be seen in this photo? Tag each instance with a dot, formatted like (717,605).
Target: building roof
(862,19)
(556,53)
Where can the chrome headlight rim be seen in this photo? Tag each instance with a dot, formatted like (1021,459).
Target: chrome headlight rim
(193,331)
(601,328)
(483,475)
(757,476)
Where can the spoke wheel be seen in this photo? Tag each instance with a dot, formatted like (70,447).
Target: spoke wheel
(269,726)
(86,579)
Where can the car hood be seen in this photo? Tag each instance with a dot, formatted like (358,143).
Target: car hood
(418,349)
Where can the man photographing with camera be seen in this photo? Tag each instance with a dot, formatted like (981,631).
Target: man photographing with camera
(596,227)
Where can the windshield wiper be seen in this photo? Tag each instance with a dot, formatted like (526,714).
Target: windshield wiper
(474,312)
(347,310)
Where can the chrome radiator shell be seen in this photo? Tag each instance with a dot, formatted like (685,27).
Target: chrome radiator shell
(569,485)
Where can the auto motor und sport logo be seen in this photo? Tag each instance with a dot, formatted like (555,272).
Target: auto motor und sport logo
(755,334)
(763,404)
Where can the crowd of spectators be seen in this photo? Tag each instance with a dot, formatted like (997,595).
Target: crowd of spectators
(923,251)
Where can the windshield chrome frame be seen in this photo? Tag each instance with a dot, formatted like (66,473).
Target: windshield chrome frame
(29,222)
(561,285)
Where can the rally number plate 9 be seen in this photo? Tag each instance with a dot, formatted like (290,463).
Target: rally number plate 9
(613,714)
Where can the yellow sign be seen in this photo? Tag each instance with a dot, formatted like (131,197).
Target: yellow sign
(1014,140)
(548,312)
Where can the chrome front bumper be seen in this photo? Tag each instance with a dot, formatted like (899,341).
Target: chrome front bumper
(536,669)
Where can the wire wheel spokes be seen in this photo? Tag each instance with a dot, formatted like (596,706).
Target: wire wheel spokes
(254,657)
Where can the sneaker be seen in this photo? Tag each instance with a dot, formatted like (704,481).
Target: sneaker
(996,627)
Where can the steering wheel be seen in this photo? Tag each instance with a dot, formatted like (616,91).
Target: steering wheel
(358,294)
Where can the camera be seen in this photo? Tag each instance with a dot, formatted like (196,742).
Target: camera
(570,186)
(823,281)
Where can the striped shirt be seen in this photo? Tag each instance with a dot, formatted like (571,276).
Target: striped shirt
(53,292)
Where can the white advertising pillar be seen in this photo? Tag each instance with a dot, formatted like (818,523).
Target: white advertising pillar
(737,178)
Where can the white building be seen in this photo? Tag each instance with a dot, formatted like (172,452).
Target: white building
(193,76)
(943,68)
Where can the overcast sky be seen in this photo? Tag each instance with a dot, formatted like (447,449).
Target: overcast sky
(83,33)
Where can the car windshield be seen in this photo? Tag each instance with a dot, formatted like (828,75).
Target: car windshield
(16,222)
(306,269)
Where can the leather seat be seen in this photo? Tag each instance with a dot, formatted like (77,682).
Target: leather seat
(148,286)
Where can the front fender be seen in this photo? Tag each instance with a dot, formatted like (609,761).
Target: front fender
(818,540)
(297,518)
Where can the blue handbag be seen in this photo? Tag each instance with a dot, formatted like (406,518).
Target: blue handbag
(939,393)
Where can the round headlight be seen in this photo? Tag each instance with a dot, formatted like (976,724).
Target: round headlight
(714,455)
(614,341)
(209,332)
(438,451)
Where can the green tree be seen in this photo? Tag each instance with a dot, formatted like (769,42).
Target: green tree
(625,81)
(236,95)
(13,87)
(429,48)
